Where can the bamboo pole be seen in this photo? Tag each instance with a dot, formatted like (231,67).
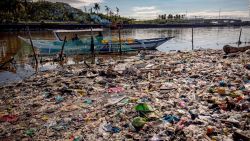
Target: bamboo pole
(31,43)
(110,36)
(92,47)
(239,42)
(92,43)
(62,50)
(192,38)
(120,40)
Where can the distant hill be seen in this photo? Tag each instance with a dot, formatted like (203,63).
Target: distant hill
(16,11)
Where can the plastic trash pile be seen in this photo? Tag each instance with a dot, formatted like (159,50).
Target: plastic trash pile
(200,95)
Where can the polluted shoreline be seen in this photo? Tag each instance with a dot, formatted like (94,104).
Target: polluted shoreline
(197,95)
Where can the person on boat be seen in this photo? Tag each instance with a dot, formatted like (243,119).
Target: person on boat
(99,37)
(75,38)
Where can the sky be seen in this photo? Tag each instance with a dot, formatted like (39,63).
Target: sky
(150,9)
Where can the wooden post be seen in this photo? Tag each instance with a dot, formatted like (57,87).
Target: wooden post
(62,50)
(239,42)
(92,47)
(192,38)
(41,59)
(110,36)
(31,43)
(120,40)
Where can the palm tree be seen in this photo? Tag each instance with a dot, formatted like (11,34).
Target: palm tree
(11,4)
(4,5)
(97,7)
(117,11)
(85,9)
(91,10)
(25,5)
(111,13)
(107,10)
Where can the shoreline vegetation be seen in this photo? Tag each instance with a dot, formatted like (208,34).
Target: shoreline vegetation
(16,15)
(51,26)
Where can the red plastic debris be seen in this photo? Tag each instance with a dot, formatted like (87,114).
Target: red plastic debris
(116,90)
(9,118)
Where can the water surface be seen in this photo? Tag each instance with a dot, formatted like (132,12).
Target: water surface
(23,64)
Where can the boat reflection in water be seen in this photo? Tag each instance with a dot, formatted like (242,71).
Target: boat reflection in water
(16,65)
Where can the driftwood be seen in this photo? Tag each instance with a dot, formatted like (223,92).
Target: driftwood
(241,136)
(229,49)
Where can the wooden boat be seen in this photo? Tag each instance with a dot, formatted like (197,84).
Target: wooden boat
(105,46)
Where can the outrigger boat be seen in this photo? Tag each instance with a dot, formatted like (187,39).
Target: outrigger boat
(83,45)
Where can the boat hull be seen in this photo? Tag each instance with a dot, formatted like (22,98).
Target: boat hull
(149,44)
(83,46)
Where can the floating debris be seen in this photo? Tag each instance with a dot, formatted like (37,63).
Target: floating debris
(198,95)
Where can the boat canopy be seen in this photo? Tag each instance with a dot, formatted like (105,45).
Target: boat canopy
(83,30)
(56,32)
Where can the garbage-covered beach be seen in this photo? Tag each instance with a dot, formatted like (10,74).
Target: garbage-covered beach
(196,95)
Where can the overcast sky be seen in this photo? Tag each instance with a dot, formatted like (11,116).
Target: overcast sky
(149,9)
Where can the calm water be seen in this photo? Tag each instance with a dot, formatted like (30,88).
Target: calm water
(215,38)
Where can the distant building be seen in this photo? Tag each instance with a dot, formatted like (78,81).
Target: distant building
(214,21)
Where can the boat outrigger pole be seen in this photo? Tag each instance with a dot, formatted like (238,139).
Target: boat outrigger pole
(61,54)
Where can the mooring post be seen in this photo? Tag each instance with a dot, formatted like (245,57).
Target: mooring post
(239,42)
(92,47)
(62,50)
(192,38)
(31,43)
(120,40)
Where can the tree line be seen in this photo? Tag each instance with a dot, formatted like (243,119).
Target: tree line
(16,11)
(112,15)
